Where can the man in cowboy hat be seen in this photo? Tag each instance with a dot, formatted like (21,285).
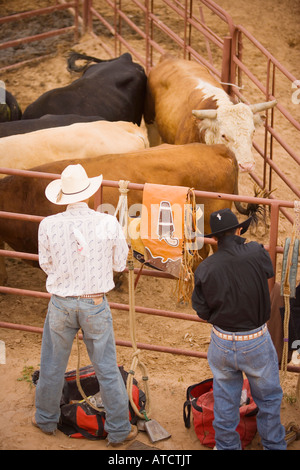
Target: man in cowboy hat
(79,249)
(231,292)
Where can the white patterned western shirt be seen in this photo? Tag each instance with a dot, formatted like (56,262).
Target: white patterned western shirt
(79,249)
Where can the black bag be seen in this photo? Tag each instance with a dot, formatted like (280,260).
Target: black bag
(78,419)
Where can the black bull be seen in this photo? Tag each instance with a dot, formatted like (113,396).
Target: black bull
(112,89)
(45,122)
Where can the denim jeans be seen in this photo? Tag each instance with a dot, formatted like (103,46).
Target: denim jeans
(64,318)
(257,358)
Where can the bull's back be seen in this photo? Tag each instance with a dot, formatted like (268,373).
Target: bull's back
(172,86)
(198,166)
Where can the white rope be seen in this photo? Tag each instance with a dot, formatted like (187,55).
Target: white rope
(122,207)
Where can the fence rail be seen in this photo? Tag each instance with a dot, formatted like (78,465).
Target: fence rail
(45,35)
(271,247)
(229,68)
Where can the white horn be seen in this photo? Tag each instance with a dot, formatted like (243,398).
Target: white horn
(205,113)
(259,107)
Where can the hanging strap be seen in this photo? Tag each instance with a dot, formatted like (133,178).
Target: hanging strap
(288,283)
(135,356)
(122,209)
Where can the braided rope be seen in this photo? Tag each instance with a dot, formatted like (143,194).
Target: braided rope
(122,209)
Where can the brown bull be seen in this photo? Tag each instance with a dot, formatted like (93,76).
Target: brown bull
(185,103)
(199,166)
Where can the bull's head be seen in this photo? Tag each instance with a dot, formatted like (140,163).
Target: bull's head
(234,126)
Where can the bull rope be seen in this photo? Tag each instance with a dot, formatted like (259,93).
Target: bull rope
(122,208)
(288,281)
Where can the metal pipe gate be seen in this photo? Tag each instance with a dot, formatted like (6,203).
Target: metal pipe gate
(229,68)
(271,247)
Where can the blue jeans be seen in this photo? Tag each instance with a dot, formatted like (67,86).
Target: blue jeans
(257,358)
(64,318)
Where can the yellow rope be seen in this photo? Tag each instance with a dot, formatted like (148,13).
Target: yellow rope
(135,357)
(122,209)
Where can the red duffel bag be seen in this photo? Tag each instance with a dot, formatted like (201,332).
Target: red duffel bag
(200,401)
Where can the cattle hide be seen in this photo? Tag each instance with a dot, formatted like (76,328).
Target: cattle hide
(208,168)
(45,122)
(187,104)
(79,140)
(113,89)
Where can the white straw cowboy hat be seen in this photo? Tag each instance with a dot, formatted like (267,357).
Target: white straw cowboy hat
(73,186)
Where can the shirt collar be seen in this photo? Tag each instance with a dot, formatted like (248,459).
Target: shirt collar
(77,205)
(230,240)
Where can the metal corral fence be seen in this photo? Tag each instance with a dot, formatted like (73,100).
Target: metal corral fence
(275,206)
(223,53)
(204,32)
(59,6)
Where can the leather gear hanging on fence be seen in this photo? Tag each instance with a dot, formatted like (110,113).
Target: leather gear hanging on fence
(288,285)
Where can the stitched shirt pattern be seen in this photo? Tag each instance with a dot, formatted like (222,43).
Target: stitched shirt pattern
(79,249)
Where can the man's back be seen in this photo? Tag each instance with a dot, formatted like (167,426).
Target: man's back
(79,249)
(231,288)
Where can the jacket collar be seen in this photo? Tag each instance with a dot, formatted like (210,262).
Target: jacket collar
(230,240)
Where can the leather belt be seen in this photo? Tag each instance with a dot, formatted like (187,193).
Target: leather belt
(91,296)
(234,337)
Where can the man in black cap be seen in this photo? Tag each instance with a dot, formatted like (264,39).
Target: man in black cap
(231,292)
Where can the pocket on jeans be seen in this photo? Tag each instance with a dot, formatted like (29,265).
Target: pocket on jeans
(257,356)
(97,321)
(217,355)
(57,317)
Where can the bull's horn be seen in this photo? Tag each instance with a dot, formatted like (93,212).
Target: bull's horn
(259,107)
(205,113)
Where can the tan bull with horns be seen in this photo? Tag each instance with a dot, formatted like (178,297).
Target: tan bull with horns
(185,104)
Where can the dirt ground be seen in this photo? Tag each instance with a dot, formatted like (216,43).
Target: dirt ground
(277,28)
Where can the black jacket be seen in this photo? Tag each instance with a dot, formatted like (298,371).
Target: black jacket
(231,286)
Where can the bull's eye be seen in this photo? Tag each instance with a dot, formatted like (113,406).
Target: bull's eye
(224,137)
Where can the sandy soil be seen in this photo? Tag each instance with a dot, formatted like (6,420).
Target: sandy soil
(170,375)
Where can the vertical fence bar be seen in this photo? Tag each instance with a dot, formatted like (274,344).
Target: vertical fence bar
(274,219)
(272,125)
(147,41)
(226,61)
